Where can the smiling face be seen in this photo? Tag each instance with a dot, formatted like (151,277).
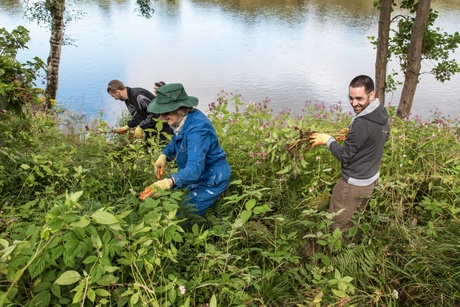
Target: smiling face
(358,98)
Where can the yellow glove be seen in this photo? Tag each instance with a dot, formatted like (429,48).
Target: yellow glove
(138,133)
(319,139)
(164,184)
(123,130)
(161,184)
(160,166)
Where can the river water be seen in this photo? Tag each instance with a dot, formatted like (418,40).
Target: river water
(287,51)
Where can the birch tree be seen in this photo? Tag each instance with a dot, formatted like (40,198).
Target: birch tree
(412,39)
(382,48)
(52,14)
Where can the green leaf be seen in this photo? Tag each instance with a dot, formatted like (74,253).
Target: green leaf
(90,259)
(104,218)
(82,222)
(134,299)
(37,267)
(102,292)
(213,302)
(69,217)
(250,204)
(245,215)
(42,299)
(107,280)
(71,247)
(25,166)
(56,290)
(284,170)
(68,278)
(110,269)
(45,285)
(91,295)
(75,196)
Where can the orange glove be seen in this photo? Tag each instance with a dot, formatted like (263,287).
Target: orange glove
(160,166)
(342,134)
(146,193)
(319,139)
(123,129)
(138,133)
(162,185)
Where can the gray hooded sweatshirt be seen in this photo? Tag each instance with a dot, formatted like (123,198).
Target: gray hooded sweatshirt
(362,151)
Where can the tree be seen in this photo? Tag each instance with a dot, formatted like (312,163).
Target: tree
(382,47)
(403,46)
(17,80)
(414,59)
(52,13)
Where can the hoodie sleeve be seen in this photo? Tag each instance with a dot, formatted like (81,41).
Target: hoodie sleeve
(356,138)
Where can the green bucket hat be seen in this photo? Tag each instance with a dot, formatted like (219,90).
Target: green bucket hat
(171,97)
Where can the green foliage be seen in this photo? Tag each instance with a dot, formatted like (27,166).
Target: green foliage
(436,48)
(17,80)
(73,231)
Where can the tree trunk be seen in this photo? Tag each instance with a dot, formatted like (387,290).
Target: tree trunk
(414,59)
(382,49)
(56,9)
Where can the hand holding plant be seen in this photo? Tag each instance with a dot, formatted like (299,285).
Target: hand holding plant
(138,133)
(161,184)
(122,130)
(319,139)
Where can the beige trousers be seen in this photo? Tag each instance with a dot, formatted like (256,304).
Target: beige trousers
(348,197)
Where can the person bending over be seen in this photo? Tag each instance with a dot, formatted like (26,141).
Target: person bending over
(202,163)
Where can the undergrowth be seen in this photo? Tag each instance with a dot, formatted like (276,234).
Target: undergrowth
(74,233)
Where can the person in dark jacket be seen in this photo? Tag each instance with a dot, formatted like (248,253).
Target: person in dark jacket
(137,99)
(202,163)
(361,153)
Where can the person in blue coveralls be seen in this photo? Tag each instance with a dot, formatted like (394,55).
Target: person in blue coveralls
(202,163)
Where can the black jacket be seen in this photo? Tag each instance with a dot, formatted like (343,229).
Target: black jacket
(137,102)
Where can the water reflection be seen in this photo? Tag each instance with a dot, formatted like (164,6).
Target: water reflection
(287,50)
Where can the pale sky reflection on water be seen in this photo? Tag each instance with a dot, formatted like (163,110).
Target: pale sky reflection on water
(288,51)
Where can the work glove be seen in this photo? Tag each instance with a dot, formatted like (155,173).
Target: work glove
(344,131)
(122,130)
(138,133)
(160,166)
(319,139)
(161,184)
(342,134)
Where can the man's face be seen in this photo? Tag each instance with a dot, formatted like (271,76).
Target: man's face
(358,98)
(118,95)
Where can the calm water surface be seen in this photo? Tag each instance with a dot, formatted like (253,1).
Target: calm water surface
(289,51)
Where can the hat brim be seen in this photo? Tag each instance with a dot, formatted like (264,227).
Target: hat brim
(155,107)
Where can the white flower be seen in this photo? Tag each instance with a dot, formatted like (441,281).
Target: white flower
(395,293)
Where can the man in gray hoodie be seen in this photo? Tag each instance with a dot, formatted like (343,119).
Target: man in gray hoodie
(361,153)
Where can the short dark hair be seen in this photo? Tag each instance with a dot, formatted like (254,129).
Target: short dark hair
(115,85)
(160,83)
(363,80)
